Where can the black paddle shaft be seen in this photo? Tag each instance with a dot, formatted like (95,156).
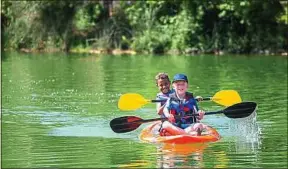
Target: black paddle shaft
(130,123)
(238,110)
(157,101)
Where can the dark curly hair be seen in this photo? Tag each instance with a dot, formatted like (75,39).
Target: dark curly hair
(161,75)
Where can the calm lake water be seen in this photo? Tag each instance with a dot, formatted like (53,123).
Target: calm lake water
(56,111)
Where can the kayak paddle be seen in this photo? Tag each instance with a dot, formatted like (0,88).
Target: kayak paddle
(225,97)
(133,101)
(129,123)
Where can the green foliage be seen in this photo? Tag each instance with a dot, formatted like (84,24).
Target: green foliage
(242,26)
(57,19)
(87,15)
(142,16)
(150,41)
(19,26)
(114,32)
(284,17)
(181,27)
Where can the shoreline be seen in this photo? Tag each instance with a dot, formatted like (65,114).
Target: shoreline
(131,52)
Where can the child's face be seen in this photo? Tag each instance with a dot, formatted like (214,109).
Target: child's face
(163,85)
(180,87)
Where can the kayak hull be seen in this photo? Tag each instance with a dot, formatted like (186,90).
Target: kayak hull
(151,134)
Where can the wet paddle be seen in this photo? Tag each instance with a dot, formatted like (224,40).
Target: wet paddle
(134,101)
(130,123)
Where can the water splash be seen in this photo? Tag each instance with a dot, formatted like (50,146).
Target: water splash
(247,132)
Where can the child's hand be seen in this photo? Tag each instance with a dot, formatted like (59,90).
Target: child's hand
(199,98)
(171,118)
(201,114)
(160,110)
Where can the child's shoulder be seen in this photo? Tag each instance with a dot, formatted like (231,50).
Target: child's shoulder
(160,94)
(163,95)
(190,94)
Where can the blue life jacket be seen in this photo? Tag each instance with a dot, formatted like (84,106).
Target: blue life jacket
(183,109)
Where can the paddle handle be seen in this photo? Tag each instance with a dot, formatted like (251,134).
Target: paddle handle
(204,99)
(214,112)
(207,98)
(150,120)
(157,101)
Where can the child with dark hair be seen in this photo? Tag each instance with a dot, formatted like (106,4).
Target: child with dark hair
(163,83)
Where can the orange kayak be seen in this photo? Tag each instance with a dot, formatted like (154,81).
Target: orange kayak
(151,134)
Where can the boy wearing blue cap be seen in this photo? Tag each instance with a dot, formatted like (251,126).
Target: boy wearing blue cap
(180,108)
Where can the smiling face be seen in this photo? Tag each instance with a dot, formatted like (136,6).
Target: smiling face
(163,85)
(180,87)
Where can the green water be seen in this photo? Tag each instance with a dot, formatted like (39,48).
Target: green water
(56,110)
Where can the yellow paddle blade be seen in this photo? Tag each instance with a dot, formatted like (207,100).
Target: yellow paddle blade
(131,101)
(227,97)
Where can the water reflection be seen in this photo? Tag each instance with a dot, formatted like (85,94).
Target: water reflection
(135,163)
(180,155)
(198,155)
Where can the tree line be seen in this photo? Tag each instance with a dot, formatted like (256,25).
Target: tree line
(171,26)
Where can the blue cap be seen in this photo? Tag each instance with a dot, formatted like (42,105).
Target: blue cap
(179,77)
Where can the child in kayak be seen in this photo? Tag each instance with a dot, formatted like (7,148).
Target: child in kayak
(163,83)
(179,109)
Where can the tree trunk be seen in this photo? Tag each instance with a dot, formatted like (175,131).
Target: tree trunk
(108,5)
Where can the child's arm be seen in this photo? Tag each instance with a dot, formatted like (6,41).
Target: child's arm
(200,112)
(166,111)
(159,108)
(166,108)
